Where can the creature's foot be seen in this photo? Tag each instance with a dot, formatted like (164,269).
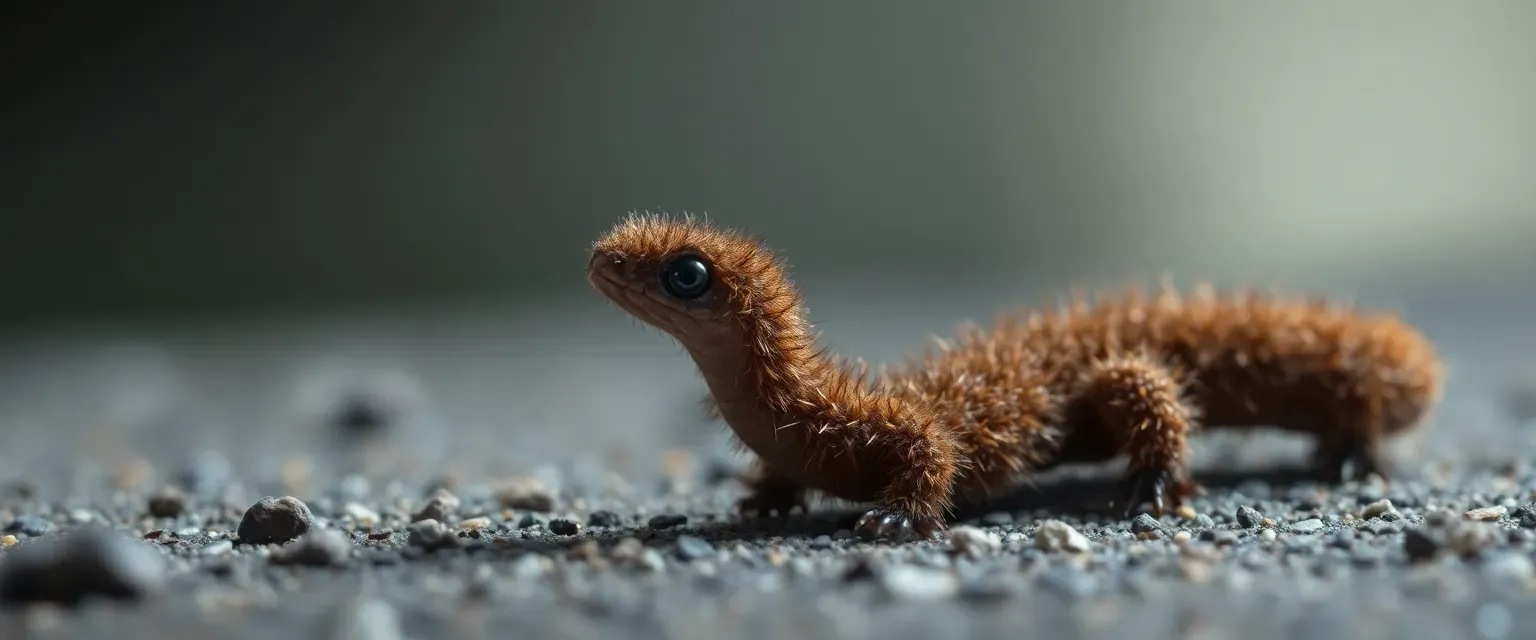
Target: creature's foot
(899,526)
(1351,461)
(1162,487)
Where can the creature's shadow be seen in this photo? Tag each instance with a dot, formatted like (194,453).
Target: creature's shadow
(1086,497)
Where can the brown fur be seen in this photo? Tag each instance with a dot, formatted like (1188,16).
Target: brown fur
(1131,375)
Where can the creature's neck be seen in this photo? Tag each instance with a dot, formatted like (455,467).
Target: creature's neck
(767,381)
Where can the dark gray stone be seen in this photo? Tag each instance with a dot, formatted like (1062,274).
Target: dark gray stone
(274,521)
(564,527)
(431,535)
(1144,523)
(167,503)
(604,519)
(440,506)
(668,521)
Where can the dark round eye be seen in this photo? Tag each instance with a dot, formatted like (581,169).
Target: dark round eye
(686,278)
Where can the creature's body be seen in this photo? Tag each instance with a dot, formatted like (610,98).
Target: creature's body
(1128,376)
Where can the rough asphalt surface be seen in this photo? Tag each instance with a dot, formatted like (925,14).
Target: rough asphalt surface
(375,512)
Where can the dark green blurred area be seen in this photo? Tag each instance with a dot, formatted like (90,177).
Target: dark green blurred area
(163,160)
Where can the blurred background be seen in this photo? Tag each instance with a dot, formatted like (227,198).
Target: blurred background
(220,218)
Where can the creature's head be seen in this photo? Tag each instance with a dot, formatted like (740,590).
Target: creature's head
(698,283)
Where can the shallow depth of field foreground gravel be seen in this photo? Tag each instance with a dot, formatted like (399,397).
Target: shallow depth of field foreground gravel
(548,475)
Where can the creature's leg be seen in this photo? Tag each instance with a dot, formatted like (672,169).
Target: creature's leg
(920,467)
(1350,449)
(769,491)
(1139,405)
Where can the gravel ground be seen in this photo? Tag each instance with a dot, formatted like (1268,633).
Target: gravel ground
(426,500)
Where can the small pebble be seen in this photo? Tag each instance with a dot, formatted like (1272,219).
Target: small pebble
(1187,512)
(531,520)
(667,521)
(1204,521)
(1486,513)
(318,548)
(973,542)
(7,541)
(564,527)
(1377,509)
(1310,525)
(604,519)
(693,548)
(1267,535)
(430,535)
(821,542)
(360,514)
(440,506)
(1248,517)
(1054,535)
(1182,536)
(1526,515)
(274,521)
(529,494)
(475,524)
(1144,523)
(169,502)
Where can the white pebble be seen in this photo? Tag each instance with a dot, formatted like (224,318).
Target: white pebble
(361,514)
(1054,535)
(973,541)
(481,522)
(1377,509)
(1486,513)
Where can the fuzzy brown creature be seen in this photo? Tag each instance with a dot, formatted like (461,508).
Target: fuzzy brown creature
(1131,375)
